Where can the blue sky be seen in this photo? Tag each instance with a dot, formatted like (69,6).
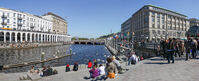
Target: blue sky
(93,18)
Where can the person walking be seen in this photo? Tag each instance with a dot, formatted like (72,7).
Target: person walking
(188,47)
(193,48)
(170,50)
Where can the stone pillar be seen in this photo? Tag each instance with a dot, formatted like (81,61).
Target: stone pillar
(4,38)
(10,37)
(30,37)
(34,37)
(26,37)
(21,36)
(49,38)
(16,37)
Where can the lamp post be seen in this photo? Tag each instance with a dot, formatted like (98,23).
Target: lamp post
(42,58)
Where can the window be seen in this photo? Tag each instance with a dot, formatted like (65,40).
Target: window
(153,25)
(23,16)
(163,21)
(158,31)
(158,15)
(8,21)
(14,14)
(159,26)
(163,32)
(153,19)
(153,13)
(158,20)
(8,14)
(163,27)
(153,31)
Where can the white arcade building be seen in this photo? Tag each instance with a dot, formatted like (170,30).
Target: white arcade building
(17,26)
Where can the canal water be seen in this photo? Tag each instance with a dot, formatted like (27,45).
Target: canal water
(80,53)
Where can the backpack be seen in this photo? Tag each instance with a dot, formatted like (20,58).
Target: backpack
(111,75)
(133,62)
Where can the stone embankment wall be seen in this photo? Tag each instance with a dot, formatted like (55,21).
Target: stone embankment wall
(27,45)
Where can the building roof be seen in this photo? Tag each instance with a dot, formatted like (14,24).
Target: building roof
(50,13)
(166,10)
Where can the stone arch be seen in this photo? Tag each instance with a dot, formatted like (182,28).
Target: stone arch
(28,37)
(1,36)
(23,36)
(33,37)
(7,36)
(13,36)
(18,36)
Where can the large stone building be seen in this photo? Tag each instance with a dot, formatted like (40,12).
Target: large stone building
(194,22)
(59,24)
(154,23)
(17,26)
(126,29)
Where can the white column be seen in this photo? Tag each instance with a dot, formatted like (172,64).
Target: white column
(30,37)
(10,37)
(4,37)
(26,37)
(49,38)
(21,37)
(56,38)
(34,37)
(16,37)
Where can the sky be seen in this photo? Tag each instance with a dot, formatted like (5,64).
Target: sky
(94,18)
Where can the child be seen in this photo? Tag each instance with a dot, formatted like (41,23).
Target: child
(67,68)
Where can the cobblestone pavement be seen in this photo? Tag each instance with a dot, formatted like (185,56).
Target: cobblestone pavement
(153,69)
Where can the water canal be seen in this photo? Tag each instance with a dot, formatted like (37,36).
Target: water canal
(80,53)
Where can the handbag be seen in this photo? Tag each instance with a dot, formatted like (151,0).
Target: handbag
(111,75)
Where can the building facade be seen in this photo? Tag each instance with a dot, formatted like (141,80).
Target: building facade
(154,23)
(59,24)
(194,22)
(126,29)
(17,26)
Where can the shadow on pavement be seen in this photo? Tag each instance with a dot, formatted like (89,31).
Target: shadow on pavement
(155,63)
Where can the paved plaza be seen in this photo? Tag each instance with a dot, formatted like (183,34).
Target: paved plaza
(153,69)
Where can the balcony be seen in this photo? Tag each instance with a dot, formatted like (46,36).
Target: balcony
(19,18)
(20,24)
(32,27)
(3,16)
(4,23)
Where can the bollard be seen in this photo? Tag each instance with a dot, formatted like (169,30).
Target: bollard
(42,58)
(70,51)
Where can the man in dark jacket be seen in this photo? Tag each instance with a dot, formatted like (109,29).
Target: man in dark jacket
(170,49)
(188,47)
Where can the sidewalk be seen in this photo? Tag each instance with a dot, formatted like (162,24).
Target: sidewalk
(153,69)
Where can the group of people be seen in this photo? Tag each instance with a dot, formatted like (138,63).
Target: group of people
(75,67)
(110,70)
(175,47)
(46,71)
